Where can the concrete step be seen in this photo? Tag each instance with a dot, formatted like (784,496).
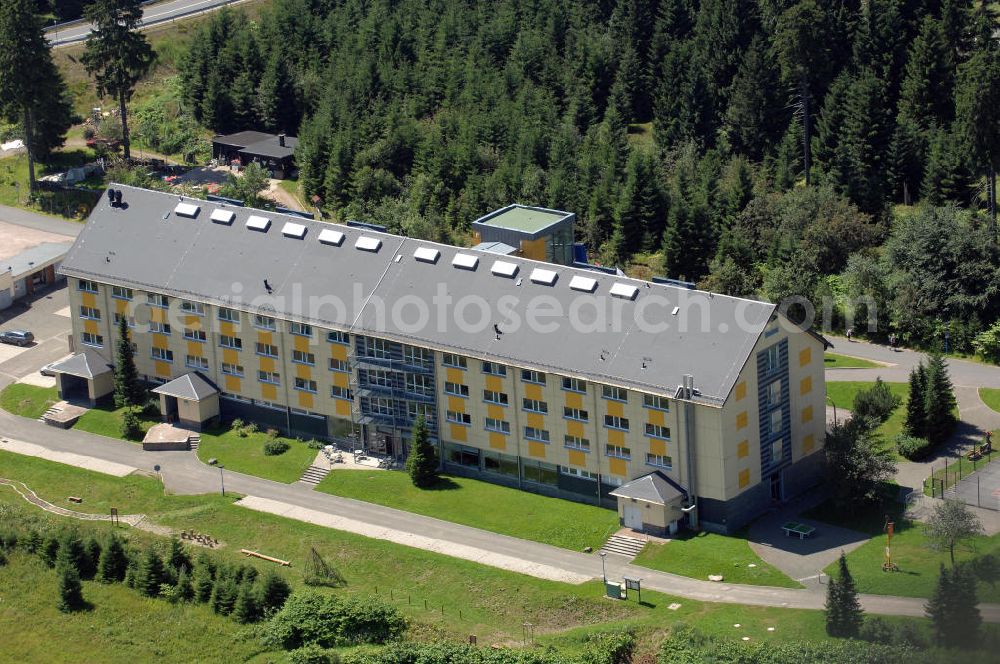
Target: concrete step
(623,546)
(314,475)
(193,441)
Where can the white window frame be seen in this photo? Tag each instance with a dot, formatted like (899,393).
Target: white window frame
(87,286)
(494,369)
(262,322)
(617,451)
(656,402)
(576,443)
(161,354)
(198,362)
(534,406)
(192,308)
(122,293)
(233,343)
(232,369)
(300,329)
(659,460)
(454,360)
(496,398)
(456,390)
(577,385)
(657,431)
(264,349)
(305,385)
(457,417)
(537,435)
(575,414)
(614,393)
(91,339)
(616,422)
(495,425)
(532,376)
(229,315)
(303,357)
(191,334)
(269,377)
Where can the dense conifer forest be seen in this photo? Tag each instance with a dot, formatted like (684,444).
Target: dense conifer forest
(836,149)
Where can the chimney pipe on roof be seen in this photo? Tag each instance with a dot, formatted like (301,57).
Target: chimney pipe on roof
(281,140)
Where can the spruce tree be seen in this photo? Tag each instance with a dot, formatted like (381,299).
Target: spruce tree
(177,558)
(977,96)
(939,400)
(272,593)
(117,55)
(844,615)
(72,551)
(952,609)
(92,554)
(926,93)
(49,550)
(113,563)
(422,464)
(203,582)
(69,587)
(223,595)
(916,417)
(128,388)
(245,606)
(184,590)
(150,574)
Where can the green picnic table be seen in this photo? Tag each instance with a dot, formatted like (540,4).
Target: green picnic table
(800,529)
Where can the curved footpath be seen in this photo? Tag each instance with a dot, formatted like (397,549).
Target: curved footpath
(183,473)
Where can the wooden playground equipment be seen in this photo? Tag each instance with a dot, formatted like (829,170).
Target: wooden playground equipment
(888,565)
(255,554)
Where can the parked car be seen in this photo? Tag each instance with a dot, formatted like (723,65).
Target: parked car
(17,337)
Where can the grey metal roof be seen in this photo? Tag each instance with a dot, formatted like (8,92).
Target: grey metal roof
(653,488)
(191,386)
(496,248)
(85,364)
(154,249)
(242,138)
(35,258)
(271,148)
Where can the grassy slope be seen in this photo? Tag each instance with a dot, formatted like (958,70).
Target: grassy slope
(701,554)
(482,505)
(835,361)
(842,394)
(246,455)
(493,603)
(990,397)
(27,400)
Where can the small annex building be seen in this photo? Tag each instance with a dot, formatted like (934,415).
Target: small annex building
(651,504)
(84,378)
(275,152)
(190,401)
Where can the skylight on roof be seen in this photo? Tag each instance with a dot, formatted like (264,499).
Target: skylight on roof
(256,223)
(291,229)
(545,277)
(330,236)
(221,216)
(427,255)
(504,269)
(624,291)
(465,261)
(368,243)
(189,210)
(583,284)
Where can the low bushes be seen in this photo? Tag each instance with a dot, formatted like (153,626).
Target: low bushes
(912,447)
(327,621)
(275,447)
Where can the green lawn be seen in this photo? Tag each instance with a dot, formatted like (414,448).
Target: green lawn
(699,554)
(107,421)
(842,394)
(27,400)
(480,600)
(990,397)
(482,505)
(835,361)
(246,455)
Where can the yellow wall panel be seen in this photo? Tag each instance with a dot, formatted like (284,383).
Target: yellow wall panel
(194,348)
(303,371)
(658,446)
(457,404)
(616,408)
(806,385)
(266,363)
(230,356)
(453,375)
(160,341)
(805,356)
(193,322)
(90,326)
(121,306)
(162,369)
(741,391)
(616,437)
(808,443)
(533,249)
(743,449)
(301,343)
(157,315)
(535,420)
(232,384)
(575,429)
(498,441)
(269,392)
(494,383)
(807,414)
(744,478)
(227,328)
(265,338)
(536,449)
(459,433)
(341,379)
(657,417)
(577,458)
(88,299)
(617,467)
(741,420)
(532,391)
(338,351)
(495,412)
(574,400)
(305,400)
(343,408)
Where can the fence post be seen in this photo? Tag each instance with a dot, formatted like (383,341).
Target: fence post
(979,502)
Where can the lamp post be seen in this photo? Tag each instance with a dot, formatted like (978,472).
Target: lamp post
(604,571)
(222,479)
(834,410)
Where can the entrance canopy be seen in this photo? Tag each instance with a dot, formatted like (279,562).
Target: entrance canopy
(85,364)
(190,400)
(190,387)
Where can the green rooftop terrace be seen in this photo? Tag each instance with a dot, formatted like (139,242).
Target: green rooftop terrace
(523,219)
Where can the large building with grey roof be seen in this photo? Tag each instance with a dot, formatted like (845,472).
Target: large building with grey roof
(550,378)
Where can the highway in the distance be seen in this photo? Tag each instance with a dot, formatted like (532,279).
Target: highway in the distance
(151,15)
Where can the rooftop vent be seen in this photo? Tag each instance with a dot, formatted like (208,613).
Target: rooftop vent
(221,216)
(545,277)
(465,261)
(674,312)
(368,243)
(291,229)
(256,223)
(624,291)
(330,236)
(189,210)
(504,269)
(427,255)
(583,284)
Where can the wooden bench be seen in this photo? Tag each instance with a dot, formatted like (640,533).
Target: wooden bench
(800,529)
(75,499)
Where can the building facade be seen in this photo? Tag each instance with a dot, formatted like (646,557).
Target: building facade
(735,420)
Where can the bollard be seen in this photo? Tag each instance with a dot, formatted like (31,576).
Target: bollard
(425,603)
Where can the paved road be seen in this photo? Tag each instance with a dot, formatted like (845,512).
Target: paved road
(40,222)
(183,474)
(151,15)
